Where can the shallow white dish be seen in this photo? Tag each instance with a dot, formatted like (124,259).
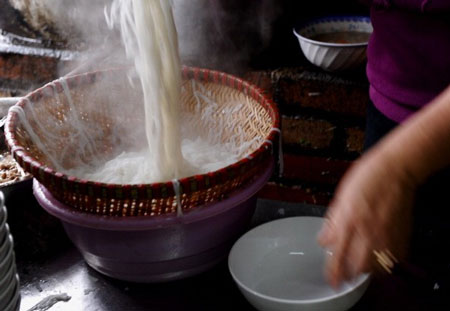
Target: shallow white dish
(333,56)
(280,266)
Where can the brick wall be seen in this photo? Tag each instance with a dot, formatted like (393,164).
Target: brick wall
(323,119)
(22,73)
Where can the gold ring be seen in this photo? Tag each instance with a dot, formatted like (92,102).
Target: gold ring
(386,260)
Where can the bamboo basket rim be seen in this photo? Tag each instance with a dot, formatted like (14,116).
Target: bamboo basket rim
(188,73)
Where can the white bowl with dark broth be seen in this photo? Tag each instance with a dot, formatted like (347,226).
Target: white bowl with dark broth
(279,266)
(335,43)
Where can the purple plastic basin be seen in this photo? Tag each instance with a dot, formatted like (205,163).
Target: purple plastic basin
(157,249)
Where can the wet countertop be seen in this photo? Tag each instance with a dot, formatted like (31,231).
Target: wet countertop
(54,276)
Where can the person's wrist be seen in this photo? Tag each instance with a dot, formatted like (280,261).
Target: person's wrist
(400,165)
(414,161)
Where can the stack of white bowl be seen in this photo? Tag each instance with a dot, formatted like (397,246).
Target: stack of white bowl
(9,279)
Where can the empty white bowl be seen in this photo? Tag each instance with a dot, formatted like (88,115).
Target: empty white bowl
(279,266)
(334,56)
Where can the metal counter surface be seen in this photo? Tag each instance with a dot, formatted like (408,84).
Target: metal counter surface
(54,276)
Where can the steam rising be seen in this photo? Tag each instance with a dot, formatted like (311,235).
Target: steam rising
(144,134)
(223,34)
(150,40)
(219,34)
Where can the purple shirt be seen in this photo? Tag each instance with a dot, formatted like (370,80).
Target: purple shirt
(408,54)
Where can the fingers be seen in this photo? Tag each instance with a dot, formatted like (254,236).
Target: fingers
(336,269)
(341,235)
(326,233)
(360,256)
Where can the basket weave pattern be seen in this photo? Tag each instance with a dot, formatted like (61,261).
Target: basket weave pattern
(143,199)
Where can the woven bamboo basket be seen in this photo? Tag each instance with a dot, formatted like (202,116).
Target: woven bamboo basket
(141,199)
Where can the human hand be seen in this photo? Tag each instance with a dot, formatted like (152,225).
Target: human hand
(371,211)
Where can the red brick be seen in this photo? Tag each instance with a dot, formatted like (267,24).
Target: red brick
(28,69)
(309,133)
(272,191)
(336,98)
(262,80)
(314,169)
(355,139)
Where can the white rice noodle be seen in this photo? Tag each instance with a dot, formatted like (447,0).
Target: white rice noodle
(176,146)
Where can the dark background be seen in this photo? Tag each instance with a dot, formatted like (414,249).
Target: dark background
(233,40)
(282,49)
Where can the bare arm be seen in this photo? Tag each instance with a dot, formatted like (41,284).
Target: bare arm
(372,208)
(422,144)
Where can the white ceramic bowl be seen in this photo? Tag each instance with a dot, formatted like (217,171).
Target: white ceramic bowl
(8,263)
(334,56)
(279,266)
(4,228)
(11,295)
(6,248)
(14,303)
(9,289)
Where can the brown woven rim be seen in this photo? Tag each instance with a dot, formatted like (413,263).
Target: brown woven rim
(47,176)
